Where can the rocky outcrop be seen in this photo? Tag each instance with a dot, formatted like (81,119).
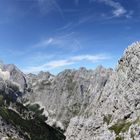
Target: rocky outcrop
(116,114)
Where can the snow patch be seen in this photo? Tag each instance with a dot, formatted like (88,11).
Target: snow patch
(4,74)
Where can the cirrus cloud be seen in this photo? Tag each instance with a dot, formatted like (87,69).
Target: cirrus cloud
(118,9)
(65,62)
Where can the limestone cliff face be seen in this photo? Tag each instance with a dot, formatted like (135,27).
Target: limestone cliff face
(99,104)
(116,114)
(68,94)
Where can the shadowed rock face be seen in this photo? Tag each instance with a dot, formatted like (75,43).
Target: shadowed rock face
(26,129)
(100,104)
(19,121)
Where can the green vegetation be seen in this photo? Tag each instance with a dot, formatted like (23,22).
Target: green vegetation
(38,113)
(29,121)
(118,138)
(36,128)
(120,126)
(107,119)
(1,100)
(74,109)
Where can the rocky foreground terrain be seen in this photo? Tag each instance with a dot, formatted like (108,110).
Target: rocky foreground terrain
(100,104)
(20,120)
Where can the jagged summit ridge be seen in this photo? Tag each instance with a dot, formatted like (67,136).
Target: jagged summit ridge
(116,115)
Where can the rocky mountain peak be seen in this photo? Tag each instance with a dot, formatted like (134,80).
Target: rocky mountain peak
(129,64)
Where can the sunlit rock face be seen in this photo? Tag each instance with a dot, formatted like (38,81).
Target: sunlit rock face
(117,112)
(100,104)
(68,94)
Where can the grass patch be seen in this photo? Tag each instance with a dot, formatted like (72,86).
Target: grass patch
(118,138)
(35,128)
(120,126)
(107,119)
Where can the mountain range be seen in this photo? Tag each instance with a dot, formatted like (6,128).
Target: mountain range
(99,104)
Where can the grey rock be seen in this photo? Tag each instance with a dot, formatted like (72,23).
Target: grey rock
(15,75)
(8,130)
(118,107)
(100,104)
(68,94)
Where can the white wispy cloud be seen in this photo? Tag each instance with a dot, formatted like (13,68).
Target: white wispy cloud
(47,6)
(65,62)
(48,42)
(47,66)
(130,14)
(58,40)
(118,11)
(66,27)
(92,58)
(45,42)
(58,63)
(85,19)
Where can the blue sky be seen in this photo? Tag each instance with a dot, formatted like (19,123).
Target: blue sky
(53,35)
